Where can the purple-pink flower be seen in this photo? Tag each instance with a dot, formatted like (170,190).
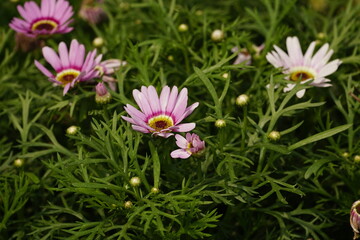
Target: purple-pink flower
(301,67)
(191,145)
(70,66)
(53,16)
(160,115)
(108,67)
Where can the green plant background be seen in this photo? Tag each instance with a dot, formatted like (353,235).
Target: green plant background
(244,186)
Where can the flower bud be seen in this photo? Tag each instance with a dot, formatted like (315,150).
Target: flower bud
(19,162)
(242,100)
(72,130)
(274,135)
(321,36)
(183,27)
(170,58)
(102,95)
(98,42)
(155,190)
(220,123)
(355,218)
(199,13)
(217,35)
(135,181)
(357,158)
(225,75)
(318,5)
(345,154)
(128,204)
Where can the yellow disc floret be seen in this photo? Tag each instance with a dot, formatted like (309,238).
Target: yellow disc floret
(160,122)
(302,74)
(45,24)
(67,76)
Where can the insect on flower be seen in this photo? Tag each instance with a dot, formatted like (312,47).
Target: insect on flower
(53,16)
(160,115)
(303,68)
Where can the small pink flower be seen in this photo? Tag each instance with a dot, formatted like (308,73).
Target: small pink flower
(92,11)
(53,16)
(160,115)
(303,68)
(70,66)
(355,218)
(191,145)
(244,54)
(102,95)
(107,68)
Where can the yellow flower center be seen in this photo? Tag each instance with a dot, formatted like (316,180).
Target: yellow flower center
(67,76)
(160,122)
(45,24)
(188,147)
(302,74)
(100,69)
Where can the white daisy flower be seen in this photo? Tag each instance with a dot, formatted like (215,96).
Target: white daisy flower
(304,68)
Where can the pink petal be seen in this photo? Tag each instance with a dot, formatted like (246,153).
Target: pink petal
(33,8)
(64,55)
(139,129)
(45,7)
(52,58)
(143,103)
(44,70)
(154,100)
(74,46)
(180,153)
(134,112)
(181,104)
(66,88)
(24,14)
(187,112)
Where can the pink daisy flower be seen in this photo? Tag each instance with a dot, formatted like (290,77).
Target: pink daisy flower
(303,68)
(70,66)
(160,115)
(53,16)
(191,145)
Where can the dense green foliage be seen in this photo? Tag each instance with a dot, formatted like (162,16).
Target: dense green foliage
(245,186)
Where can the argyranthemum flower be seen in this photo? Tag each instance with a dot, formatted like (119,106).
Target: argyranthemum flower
(70,66)
(92,11)
(355,218)
(191,145)
(303,68)
(108,67)
(53,16)
(160,115)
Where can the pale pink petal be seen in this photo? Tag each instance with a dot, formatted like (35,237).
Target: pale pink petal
(184,127)
(181,104)
(164,134)
(134,112)
(154,100)
(180,153)
(329,68)
(164,98)
(172,99)
(139,129)
(142,102)
(181,142)
(187,112)
(66,88)
(24,14)
(33,8)
(73,52)
(45,7)
(300,93)
(320,54)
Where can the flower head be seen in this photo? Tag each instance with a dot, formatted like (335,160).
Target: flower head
(355,218)
(53,16)
(191,145)
(160,115)
(108,67)
(70,66)
(102,95)
(92,11)
(303,68)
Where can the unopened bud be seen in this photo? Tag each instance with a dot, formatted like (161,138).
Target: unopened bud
(321,36)
(225,75)
(102,95)
(19,162)
(135,181)
(357,158)
(199,13)
(72,130)
(183,27)
(220,123)
(217,35)
(355,218)
(170,58)
(155,190)
(128,204)
(98,42)
(345,154)
(242,100)
(274,135)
